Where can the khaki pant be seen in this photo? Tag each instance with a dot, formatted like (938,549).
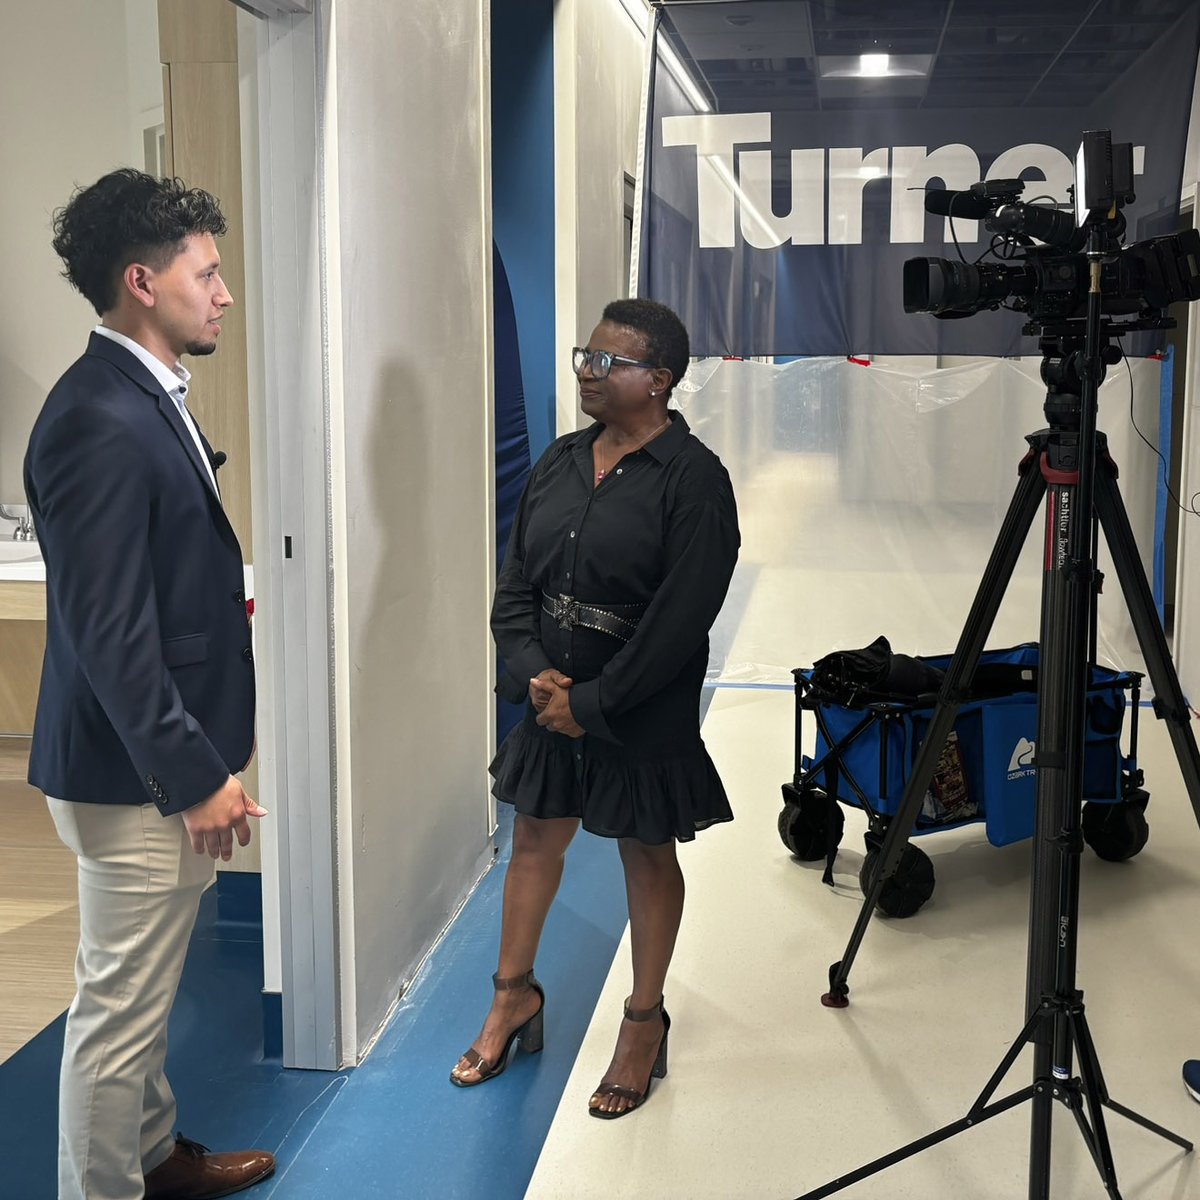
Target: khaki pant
(140,883)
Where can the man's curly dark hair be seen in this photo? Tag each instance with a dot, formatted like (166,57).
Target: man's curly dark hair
(663,332)
(128,216)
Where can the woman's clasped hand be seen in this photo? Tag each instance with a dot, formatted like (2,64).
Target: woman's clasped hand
(548,695)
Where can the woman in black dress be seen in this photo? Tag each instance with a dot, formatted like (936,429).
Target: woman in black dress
(620,556)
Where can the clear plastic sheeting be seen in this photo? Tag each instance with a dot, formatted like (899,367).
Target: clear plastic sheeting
(870,497)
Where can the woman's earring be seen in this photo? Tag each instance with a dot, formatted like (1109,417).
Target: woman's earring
(653,393)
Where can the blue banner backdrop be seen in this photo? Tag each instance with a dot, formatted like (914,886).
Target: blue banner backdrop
(782,229)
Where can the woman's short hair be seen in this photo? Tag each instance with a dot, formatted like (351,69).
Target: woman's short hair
(128,216)
(663,332)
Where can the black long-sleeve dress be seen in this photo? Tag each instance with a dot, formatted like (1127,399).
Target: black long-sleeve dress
(661,532)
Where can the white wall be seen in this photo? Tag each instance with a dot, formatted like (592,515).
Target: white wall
(412,307)
(75,78)
(143,71)
(598,58)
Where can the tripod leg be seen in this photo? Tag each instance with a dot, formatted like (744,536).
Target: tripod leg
(1092,1080)
(974,1118)
(1091,1083)
(1014,1051)
(1151,1126)
(982,1110)
(1103,1161)
(1169,702)
(1089,1066)
(1007,549)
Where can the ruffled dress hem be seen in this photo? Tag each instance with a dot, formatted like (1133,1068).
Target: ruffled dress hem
(652,800)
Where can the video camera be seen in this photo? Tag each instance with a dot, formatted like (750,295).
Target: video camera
(1050,282)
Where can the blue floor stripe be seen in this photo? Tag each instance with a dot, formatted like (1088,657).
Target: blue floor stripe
(29,1115)
(394,1126)
(228,1094)
(399,1128)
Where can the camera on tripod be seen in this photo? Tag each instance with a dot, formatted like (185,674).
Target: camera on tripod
(1049,282)
(1080,289)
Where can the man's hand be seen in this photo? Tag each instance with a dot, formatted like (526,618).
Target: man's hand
(540,690)
(555,714)
(212,823)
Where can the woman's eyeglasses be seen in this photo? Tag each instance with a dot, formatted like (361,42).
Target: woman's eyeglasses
(601,362)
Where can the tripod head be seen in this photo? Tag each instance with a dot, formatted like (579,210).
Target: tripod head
(1063,371)
(1063,346)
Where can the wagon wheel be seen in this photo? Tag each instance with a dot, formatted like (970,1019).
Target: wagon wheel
(908,889)
(810,824)
(1116,832)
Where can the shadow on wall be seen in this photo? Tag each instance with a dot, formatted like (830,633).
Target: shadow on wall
(394,628)
(21,398)
(419,770)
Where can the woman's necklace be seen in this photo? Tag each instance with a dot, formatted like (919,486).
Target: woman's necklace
(600,474)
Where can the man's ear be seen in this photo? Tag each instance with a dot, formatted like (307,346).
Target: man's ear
(138,281)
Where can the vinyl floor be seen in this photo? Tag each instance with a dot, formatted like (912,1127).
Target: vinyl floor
(768,1094)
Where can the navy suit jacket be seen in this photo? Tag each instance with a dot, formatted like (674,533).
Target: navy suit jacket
(148,681)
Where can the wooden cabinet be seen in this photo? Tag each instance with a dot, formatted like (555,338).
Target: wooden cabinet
(198,47)
(22,645)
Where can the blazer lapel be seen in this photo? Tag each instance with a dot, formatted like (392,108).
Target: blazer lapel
(208,450)
(129,365)
(170,410)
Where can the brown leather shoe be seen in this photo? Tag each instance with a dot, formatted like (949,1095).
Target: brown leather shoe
(191,1173)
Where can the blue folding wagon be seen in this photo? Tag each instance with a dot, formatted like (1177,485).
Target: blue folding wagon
(867,739)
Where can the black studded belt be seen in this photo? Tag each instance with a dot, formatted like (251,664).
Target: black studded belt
(569,612)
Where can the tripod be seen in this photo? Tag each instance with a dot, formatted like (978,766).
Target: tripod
(1068,465)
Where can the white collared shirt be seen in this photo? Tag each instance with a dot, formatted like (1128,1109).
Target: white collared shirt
(172,380)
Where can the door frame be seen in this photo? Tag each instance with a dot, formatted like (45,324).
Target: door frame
(307,893)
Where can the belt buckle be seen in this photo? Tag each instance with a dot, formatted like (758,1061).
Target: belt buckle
(566,611)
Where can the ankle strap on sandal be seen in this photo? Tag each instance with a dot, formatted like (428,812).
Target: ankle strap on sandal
(643,1014)
(515,983)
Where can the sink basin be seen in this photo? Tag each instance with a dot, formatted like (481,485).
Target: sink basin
(19,552)
(21,560)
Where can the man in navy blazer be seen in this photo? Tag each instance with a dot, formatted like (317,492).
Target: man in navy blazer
(146,709)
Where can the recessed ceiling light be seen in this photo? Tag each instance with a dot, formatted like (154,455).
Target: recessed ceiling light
(856,66)
(874,64)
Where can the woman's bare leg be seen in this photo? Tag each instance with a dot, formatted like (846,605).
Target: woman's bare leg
(530,886)
(654,887)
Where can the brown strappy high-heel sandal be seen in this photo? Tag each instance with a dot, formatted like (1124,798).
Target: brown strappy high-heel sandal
(658,1071)
(530,1034)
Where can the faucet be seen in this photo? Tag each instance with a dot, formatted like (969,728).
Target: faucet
(24,532)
